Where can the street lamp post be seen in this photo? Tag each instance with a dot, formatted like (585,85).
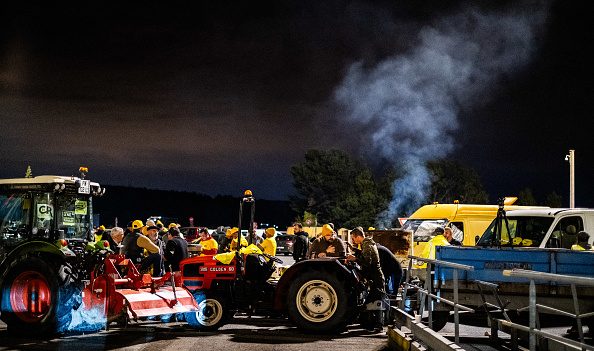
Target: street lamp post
(571,159)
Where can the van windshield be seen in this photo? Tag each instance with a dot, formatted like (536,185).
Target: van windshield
(520,231)
(423,229)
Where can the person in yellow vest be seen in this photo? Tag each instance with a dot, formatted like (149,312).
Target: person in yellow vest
(582,242)
(209,245)
(233,234)
(99,233)
(438,240)
(268,245)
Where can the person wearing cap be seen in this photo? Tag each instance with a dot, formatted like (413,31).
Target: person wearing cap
(209,245)
(327,245)
(99,233)
(176,249)
(134,245)
(235,239)
(268,245)
(128,228)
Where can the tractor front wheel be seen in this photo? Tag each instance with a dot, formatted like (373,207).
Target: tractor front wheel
(213,312)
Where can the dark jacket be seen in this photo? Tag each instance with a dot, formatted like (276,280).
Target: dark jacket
(300,246)
(321,245)
(130,247)
(369,260)
(389,263)
(176,250)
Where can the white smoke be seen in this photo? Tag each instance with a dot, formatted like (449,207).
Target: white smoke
(410,102)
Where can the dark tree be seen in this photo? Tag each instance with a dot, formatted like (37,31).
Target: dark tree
(451,181)
(554,200)
(336,188)
(526,198)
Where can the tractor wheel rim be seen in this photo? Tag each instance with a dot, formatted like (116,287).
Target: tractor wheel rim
(30,296)
(210,312)
(316,301)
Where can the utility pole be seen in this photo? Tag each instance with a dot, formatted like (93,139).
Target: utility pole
(571,159)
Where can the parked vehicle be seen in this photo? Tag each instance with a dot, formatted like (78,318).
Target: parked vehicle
(284,244)
(537,240)
(190,233)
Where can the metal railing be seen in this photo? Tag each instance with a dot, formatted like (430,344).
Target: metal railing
(533,308)
(426,291)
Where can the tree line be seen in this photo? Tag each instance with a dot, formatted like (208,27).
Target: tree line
(332,186)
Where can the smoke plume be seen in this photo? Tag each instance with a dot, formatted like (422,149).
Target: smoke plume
(409,104)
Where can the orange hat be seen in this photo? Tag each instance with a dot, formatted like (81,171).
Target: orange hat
(231,231)
(270,232)
(327,230)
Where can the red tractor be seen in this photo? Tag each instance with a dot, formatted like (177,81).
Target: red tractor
(322,295)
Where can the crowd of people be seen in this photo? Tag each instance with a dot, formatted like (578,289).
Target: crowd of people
(158,249)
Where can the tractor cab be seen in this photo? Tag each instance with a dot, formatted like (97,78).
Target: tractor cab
(46,208)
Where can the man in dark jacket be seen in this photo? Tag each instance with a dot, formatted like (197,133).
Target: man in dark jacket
(176,249)
(301,244)
(368,259)
(391,268)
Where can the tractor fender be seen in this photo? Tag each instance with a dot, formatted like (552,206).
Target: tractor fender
(333,266)
(41,249)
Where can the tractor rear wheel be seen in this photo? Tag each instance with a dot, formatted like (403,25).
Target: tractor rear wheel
(37,297)
(319,301)
(213,312)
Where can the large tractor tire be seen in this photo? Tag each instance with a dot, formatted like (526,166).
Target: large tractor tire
(319,301)
(37,297)
(213,312)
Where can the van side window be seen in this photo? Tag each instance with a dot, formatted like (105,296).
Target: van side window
(565,233)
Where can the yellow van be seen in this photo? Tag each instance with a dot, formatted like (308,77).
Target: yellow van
(468,222)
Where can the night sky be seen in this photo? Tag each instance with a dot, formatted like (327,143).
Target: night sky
(215,96)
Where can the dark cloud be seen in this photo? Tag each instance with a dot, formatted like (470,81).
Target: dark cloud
(215,97)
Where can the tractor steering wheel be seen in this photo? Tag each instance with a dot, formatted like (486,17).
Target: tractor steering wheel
(272,258)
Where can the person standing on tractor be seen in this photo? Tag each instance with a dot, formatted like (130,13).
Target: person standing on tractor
(134,245)
(327,245)
(176,249)
(301,244)
(369,260)
(209,245)
(268,245)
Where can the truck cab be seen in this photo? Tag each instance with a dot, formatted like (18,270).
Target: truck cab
(544,228)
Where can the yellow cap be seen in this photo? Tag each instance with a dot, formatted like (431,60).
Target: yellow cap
(159,222)
(172,225)
(137,224)
(231,231)
(270,232)
(371,228)
(327,230)
(526,242)
(101,227)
